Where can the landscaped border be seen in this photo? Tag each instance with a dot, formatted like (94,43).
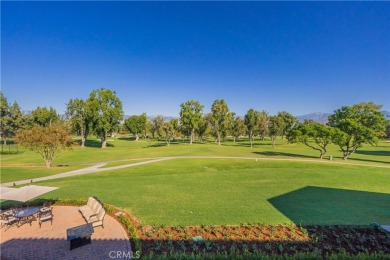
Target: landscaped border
(247,241)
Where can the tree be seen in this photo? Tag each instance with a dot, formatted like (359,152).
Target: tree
(174,128)
(107,112)
(220,118)
(276,126)
(321,134)
(44,116)
(168,131)
(263,123)
(148,128)
(190,117)
(11,118)
(203,127)
(48,141)
(387,131)
(251,124)
(136,125)
(5,118)
(18,120)
(81,117)
(238,128)
(356,126)
(289,123)
(158,126)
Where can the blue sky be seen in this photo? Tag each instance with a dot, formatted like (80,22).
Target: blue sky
(296,56)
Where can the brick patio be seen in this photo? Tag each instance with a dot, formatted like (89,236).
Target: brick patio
(49,242)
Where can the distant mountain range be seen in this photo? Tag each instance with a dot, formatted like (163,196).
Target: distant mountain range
(323,117)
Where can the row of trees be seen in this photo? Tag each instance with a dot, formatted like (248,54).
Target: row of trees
(101,114)
(219,123)
(349,127)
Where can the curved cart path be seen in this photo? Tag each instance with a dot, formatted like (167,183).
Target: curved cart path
(97,167)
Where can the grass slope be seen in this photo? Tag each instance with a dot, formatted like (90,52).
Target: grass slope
(28,164)
(220,191)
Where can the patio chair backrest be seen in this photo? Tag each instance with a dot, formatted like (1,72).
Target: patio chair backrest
(90,201)
(3,216)
(101,214)
(15,210)
(93,205)
(46,204)
(97,208)
(6,213)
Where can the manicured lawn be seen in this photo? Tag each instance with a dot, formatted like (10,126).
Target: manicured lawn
(24,165)
(125,149)
(220,191)
(9,174)
(123,162)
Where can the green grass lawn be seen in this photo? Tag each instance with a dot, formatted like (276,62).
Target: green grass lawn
(126,149)
(9,174)
(28,164)
(124,162)
(220,191)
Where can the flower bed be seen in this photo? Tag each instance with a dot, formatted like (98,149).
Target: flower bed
(279,240)
(258,241)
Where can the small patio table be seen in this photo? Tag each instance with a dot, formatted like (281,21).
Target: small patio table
(27,215)
(80,235)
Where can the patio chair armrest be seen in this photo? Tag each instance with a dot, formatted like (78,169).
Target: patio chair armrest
(93,215)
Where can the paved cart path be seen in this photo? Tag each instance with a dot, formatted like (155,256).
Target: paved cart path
(97,167)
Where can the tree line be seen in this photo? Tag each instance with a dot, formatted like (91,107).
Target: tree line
(101,114)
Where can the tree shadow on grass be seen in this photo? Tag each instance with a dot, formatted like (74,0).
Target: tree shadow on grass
(96,144)
(130,138)
(350,159)
(374,153)
(245,143)
(276,154)
(161,144)
(328,206)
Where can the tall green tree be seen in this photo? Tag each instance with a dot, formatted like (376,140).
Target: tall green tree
(221,118)
(5,118)
(203,128)
(314,135)
(107,112)
(44,116)
(357,125)
(136,125)
(289,123)
(239,128)
(18,120)
(168,132)
(251,124)
(81,117)
(276,127)
(175,128)
(158,126)
(387,130)
(263,123)
(190,117)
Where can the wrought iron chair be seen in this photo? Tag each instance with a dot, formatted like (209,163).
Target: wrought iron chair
(46,207)
(45,216)
(9,220)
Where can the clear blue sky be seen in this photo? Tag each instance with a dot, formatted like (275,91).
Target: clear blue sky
(296,56)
